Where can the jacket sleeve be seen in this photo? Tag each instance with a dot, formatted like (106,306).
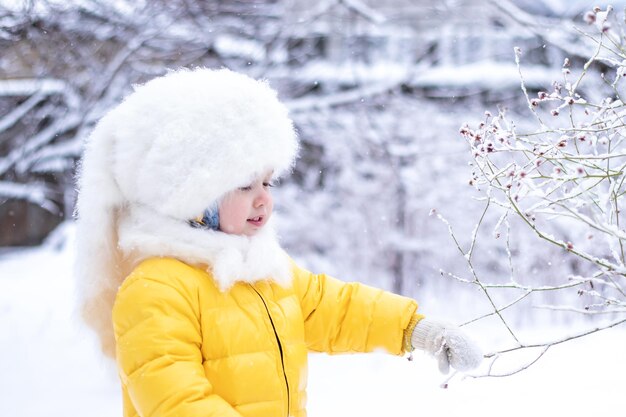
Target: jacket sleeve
(157,332)
(351,317)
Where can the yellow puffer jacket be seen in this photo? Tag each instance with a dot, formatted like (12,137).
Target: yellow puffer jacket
(186,349)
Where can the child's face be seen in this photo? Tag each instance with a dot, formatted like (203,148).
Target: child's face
(246,210)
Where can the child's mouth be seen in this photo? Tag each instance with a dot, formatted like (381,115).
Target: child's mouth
(256,221)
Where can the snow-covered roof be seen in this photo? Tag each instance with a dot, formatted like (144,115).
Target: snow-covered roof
(565,8)
(486,74)
(482,75)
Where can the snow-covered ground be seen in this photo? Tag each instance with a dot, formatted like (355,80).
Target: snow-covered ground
(50,365)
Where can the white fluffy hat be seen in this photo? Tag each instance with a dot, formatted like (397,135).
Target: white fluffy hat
(181,141)
(168,151)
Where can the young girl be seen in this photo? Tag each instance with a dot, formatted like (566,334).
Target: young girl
(183,276)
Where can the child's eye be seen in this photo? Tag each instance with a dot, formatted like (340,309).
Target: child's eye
(246,188)
(268,184)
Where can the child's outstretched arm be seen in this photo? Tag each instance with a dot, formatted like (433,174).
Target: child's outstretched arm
(158,350)
(352,317)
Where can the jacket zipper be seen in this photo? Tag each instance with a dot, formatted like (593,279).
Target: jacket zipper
(280,345)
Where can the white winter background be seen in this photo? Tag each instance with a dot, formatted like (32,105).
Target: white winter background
(50,365)
(342,217)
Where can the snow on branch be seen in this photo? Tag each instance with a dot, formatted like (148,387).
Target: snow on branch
(19,157)
(364,10)
(36,193)
(43,86)
(10,119)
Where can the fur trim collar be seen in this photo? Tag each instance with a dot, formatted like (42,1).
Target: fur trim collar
(144,233)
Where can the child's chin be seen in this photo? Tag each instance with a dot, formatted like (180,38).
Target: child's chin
(251,231)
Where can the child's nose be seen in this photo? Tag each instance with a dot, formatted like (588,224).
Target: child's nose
(262,198)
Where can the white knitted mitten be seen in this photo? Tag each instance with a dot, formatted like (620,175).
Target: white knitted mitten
(448,344)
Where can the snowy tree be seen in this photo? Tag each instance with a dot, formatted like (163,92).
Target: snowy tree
(563,180)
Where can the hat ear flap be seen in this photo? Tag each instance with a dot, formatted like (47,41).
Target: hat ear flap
(98,266)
